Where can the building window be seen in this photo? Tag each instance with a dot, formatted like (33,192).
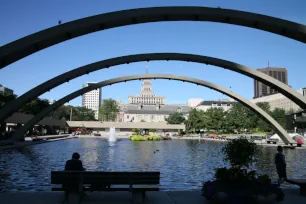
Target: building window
(127,116)
(152,117)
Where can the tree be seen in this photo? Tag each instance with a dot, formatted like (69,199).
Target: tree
(214,119)
(175,118)
(108,110)
(78,113)
(262,125)
(279,115)
(82,114)
(62,113)
(5,98)
(195,121)
(34,106)
(240,118)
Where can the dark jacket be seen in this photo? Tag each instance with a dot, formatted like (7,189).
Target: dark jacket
(74,165)
(280,160)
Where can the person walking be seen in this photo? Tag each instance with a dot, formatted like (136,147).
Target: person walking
(280,164)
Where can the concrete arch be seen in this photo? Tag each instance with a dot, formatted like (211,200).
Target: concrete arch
(23,47)
(278,129)
(60,79)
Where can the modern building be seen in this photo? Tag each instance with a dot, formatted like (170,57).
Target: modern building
(194,102)
(149,113)
(5,90)
(296,122)
(261,89)
(92,99)
(147,97)
(280,101)
(224,104)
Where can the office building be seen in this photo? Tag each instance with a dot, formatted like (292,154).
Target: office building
(5,90)
(92,99)
(261,89)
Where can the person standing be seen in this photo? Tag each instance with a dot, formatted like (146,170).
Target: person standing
(280,163)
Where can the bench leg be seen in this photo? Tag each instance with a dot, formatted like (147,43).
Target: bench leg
(303,190)
(74,198)
(138,197)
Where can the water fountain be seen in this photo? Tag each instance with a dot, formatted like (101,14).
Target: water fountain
(112,135)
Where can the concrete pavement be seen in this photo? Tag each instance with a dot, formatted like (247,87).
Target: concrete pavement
(167,197)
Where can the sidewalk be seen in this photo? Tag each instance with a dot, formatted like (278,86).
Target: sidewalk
(162,197)
(4,146)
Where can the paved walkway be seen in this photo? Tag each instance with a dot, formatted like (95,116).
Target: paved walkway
(162,197)
(4,146)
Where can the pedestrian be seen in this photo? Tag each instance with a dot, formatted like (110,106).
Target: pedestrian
(280,163)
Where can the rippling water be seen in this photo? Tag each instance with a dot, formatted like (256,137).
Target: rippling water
(183,164)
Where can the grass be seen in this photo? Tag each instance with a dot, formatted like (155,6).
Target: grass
(144,138)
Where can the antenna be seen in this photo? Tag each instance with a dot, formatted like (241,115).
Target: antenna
(147,69)
(268,64)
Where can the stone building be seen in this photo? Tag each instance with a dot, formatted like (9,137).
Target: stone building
(149,113)
(147,97)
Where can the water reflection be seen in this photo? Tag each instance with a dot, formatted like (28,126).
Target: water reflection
(183,164)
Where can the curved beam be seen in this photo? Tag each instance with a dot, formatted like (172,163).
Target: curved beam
(278,129)
(23,47)
(60,79)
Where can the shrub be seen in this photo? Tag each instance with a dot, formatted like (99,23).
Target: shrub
(144,138)
(240,152)
(138,138)
(238,182)
(155,138)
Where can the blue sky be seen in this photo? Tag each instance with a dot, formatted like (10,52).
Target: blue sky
(243,45)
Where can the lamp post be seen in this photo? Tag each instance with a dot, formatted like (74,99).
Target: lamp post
(71,114)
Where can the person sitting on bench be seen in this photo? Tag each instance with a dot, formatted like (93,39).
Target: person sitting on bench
(74,164)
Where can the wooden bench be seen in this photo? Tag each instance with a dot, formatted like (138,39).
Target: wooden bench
(299,182)
(74,183)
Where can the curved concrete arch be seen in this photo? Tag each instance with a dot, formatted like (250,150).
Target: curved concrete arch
(60,79)
(23,47)
(278,129)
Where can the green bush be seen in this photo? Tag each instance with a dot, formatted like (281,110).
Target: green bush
(240,152)
(155,138)
(138,138)
(144,138)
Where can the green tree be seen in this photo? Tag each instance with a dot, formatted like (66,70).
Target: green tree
(78,113)
(214,119)
(279,115)
(240,118)
(62,113)
(195,121)
(35,106)
(175,118)
(108,110)
(82,114)
(262,125)
(5,98)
